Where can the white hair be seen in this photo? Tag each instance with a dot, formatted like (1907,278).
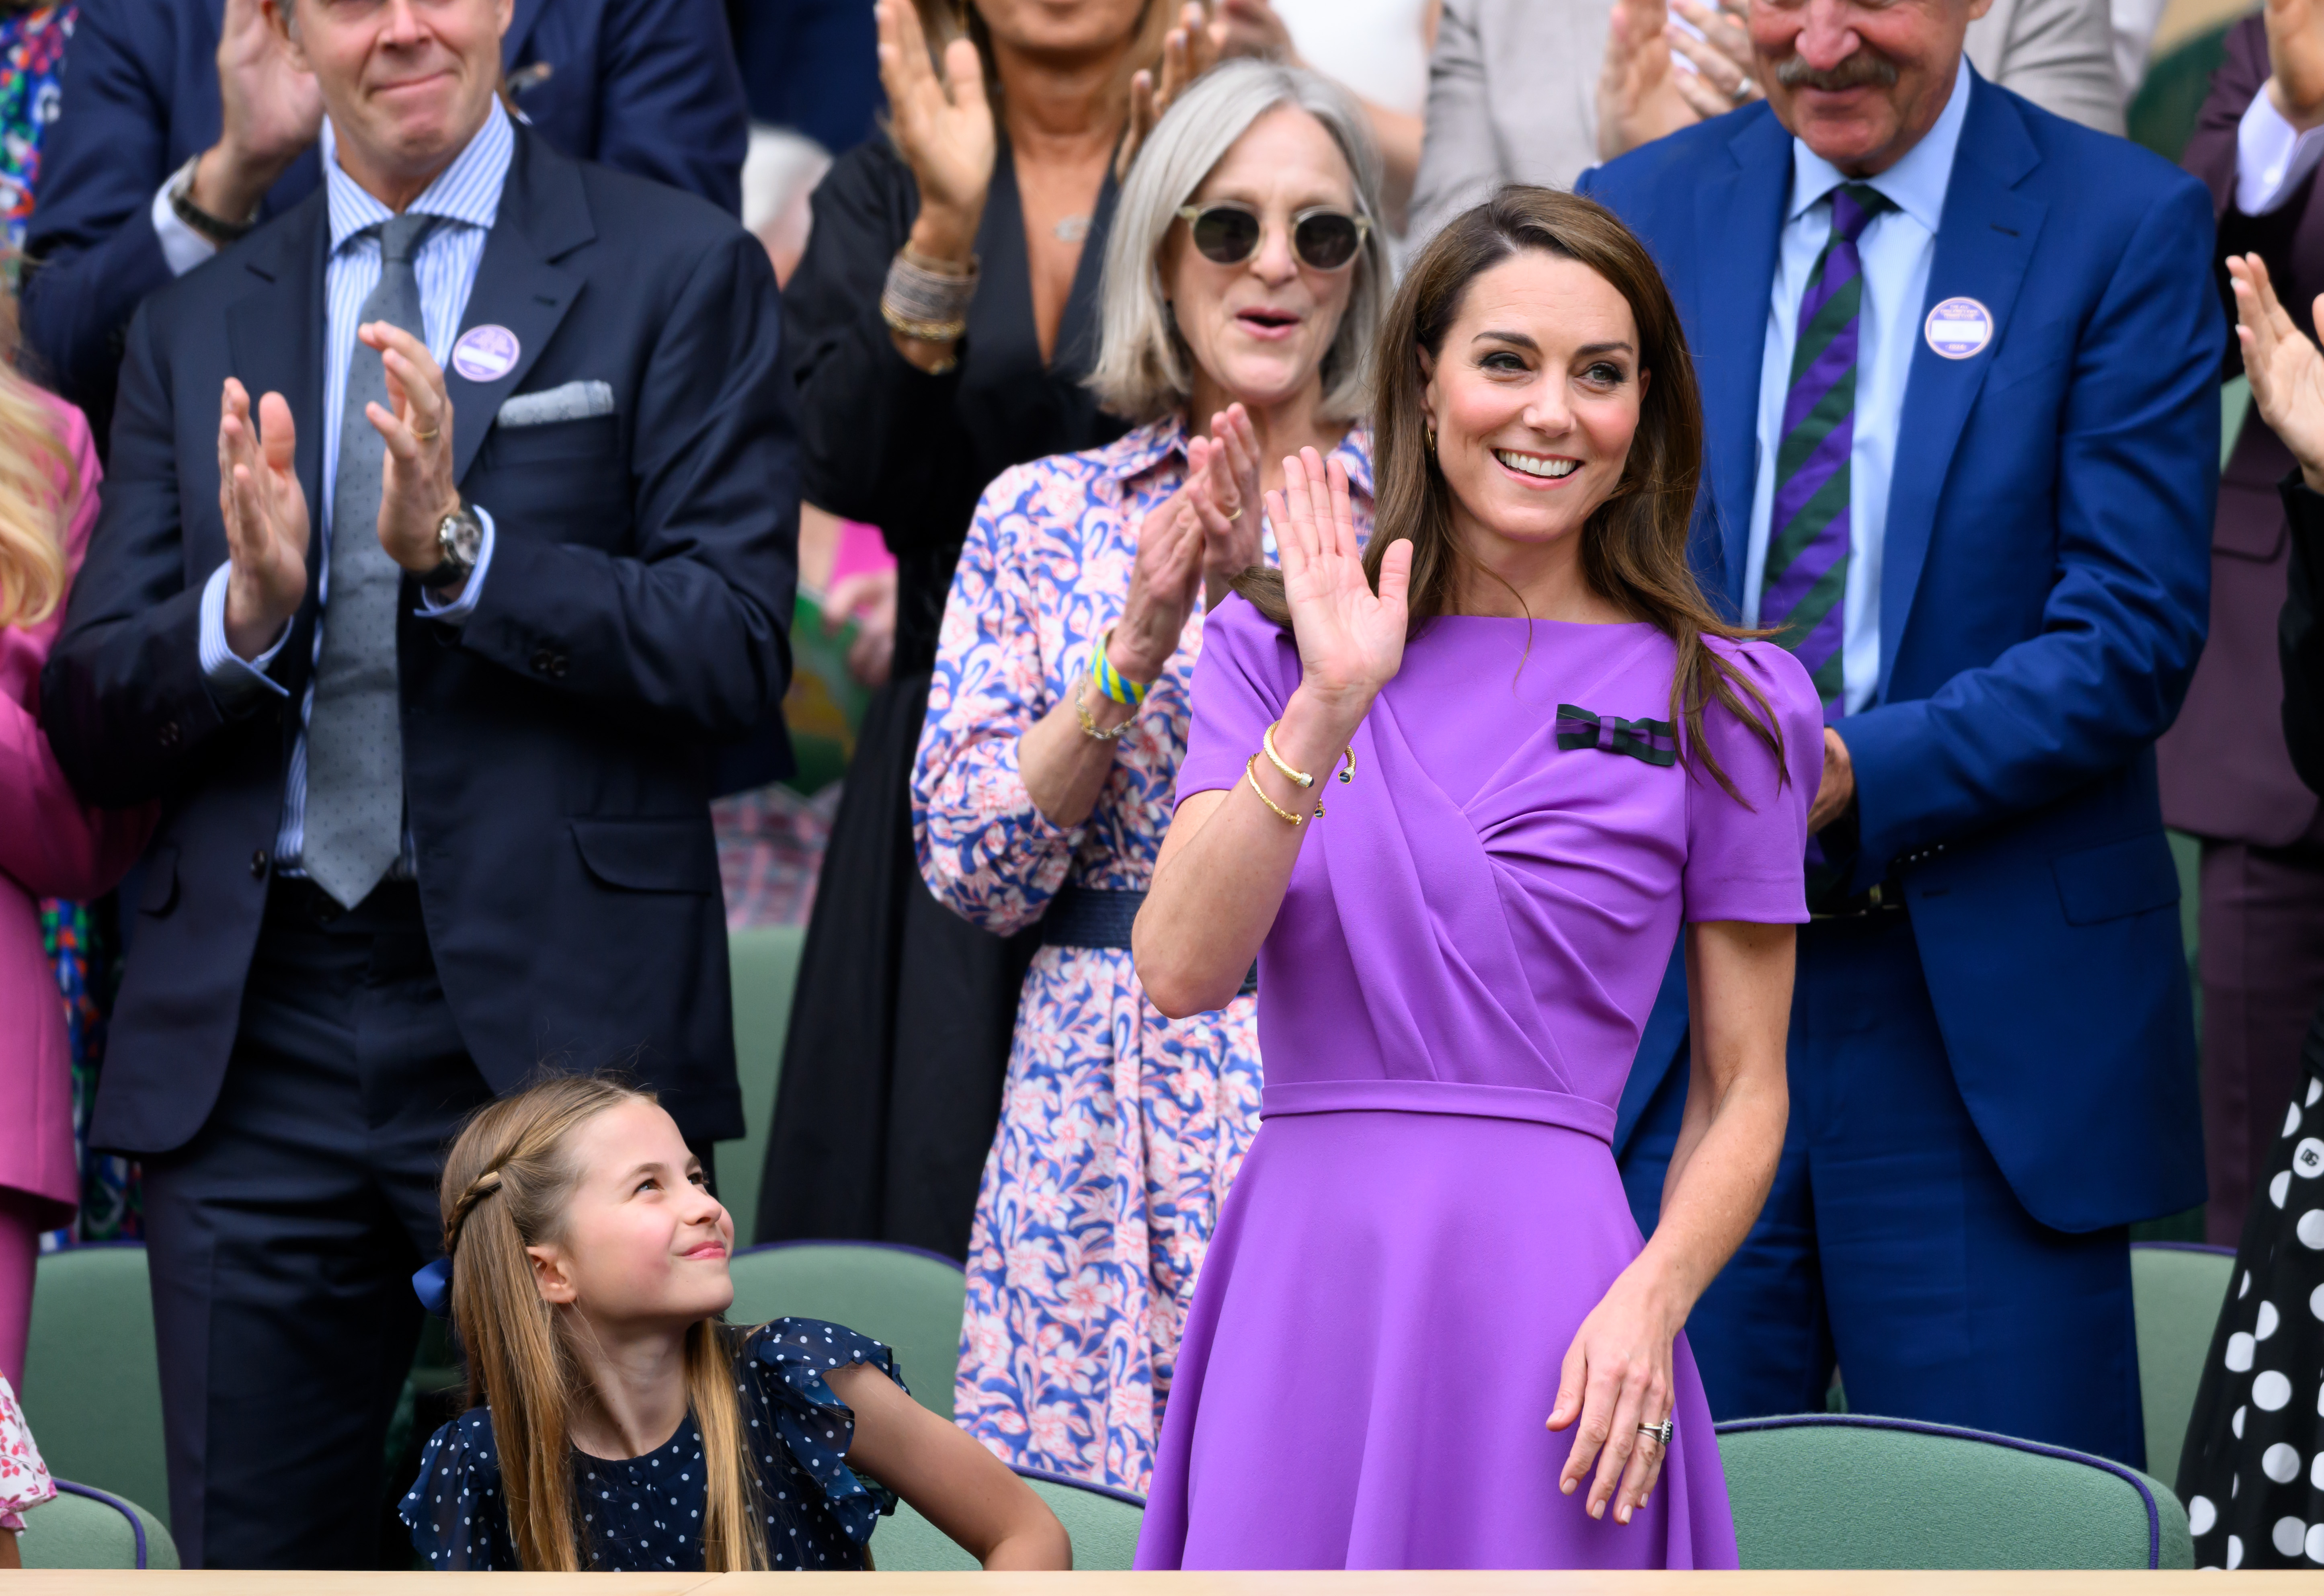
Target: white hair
(1142,371)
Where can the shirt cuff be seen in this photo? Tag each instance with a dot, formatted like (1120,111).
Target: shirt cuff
(473,590)
(233,681)
(2272,159)
(183,248)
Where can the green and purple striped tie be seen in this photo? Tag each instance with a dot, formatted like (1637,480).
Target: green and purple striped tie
(1806,577)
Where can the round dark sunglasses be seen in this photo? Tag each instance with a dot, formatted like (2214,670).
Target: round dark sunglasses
(1323,238)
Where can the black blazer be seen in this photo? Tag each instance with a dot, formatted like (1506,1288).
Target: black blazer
(558,748)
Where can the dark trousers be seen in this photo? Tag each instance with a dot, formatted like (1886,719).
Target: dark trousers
(1891,1243)
(283,1237)
(2262,962)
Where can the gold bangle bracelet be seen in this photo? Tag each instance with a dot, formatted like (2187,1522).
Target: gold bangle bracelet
(926,332)
(1250,774)
(1299,779)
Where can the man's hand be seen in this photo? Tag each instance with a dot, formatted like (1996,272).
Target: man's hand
(2295,51)
(1723,71)
(1188,51)
(2286,372)
(1838,789)
(265,514)
(415,490)
(1640,98)
(272,112)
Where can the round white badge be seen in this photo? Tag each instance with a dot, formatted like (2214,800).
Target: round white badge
(485,353)
(1958,328)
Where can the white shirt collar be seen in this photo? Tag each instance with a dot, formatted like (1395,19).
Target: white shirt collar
(469,190)
(1915,184)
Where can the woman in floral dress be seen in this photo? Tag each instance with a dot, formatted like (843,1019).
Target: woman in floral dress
(1243,284)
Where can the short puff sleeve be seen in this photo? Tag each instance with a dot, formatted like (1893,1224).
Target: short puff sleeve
(1249,669)
(455,1510)
(1745,854)
(788,1360)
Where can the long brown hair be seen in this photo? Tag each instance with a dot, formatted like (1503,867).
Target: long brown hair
(506,1182)
(39,486)
(1634,547)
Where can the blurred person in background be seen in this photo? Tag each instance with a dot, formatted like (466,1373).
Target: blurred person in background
(940,327)
(33,40)
(2228,778)
(51,844)
(811,66)
(184,123)
(1057,720)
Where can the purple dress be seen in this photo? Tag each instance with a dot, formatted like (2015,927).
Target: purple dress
(1448,1004)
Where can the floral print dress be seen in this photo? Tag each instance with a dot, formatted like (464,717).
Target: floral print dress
(25,1480)
(1119,1131)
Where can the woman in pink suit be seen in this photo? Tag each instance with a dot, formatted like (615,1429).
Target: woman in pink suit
(50,845)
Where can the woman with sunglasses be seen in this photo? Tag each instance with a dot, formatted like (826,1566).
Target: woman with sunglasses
(1244,285)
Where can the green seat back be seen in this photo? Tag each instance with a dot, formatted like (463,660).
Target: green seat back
(1827,1490)
(88,1528)
(2163,112)
(2176,1291)
(92,1384)
(765,963)
(1102,1524)
(909,1299)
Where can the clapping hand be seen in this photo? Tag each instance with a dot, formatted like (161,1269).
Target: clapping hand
(265,513)
(1165,579)
(1722,57)
(1255,28)
(271,109)
(1640,98)
(416,488)
(1188,51)
(1222,484)
(1351,639)
(2286,372)
(2295,53)
(943,127)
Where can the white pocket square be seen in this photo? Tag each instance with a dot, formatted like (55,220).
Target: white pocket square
(572,402)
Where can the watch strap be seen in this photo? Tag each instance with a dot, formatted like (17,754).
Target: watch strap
(217,229)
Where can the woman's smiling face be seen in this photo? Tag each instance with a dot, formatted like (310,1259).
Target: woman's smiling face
(1535,395)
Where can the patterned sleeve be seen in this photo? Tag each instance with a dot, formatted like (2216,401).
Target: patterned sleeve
(1745,860)
(457,1516)
(792,1356)
(1247,672)
(984,849)
(25,1480)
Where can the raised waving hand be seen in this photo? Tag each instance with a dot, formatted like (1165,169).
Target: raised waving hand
(1351,639)
(2286,372)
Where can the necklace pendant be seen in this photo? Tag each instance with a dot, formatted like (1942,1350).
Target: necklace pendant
(1071,229)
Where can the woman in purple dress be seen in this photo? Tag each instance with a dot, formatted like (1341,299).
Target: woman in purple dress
(1543,753)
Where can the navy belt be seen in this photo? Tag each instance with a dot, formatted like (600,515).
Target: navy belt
(1101,917)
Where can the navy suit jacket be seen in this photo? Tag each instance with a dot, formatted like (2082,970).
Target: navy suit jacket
(2043,599)
(558,747)
(647,85)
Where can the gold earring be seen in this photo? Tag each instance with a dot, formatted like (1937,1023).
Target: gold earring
(1431,440)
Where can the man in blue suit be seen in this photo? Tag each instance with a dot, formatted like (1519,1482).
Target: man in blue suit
(1959,363)
(197,98)
(450,526)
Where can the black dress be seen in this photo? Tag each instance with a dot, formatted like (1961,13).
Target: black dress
(2252,1473)
(643,1514)
(900,1031)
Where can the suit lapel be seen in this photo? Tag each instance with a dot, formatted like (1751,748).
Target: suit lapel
(543,215)
(1738,219)
(1985,240)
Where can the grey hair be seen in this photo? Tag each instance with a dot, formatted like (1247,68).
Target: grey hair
(1143,370)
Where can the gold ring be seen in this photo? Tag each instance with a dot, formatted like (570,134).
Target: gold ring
(429,437)
(1236,516)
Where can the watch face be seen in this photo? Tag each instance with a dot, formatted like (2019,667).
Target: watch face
(461,536)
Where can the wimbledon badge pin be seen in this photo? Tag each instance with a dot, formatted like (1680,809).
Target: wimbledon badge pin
(1958,328)
(485,353)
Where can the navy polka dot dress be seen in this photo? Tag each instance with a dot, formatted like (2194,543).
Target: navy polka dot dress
(644,1513)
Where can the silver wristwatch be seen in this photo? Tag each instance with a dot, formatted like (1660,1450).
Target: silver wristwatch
(460,538)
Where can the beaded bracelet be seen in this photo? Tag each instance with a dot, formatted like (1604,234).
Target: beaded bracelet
(1111,682)
(922,300)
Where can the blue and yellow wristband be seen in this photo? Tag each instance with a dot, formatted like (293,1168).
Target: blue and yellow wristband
(1111,682)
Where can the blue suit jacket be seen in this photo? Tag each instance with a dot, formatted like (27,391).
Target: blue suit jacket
(558,747)
(2043,599)
(647,85)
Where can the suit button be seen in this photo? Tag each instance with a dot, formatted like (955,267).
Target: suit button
(556,668)
(258,863)
(168,735)
(542,662)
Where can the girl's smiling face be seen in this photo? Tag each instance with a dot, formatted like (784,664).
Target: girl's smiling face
(643,1242)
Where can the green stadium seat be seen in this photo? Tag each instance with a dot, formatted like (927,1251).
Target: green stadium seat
(2176,1289)
(909,1299)
(92,1383)
(1828,1490)
(84,1527)
(1103,1525)
(765,963)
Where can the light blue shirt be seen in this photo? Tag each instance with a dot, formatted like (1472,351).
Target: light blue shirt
(1896,248)
(467,196)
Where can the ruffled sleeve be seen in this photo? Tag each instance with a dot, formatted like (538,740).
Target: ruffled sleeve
(458,1518)
(25,1480)
(788,1361)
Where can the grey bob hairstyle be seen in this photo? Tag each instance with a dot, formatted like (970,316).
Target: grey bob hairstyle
(1144,370)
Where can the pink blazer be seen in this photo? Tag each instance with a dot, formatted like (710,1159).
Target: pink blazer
(50,846)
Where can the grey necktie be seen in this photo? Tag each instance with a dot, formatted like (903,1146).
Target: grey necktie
(355,741)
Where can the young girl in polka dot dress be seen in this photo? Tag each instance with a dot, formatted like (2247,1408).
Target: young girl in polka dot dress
(619,1424)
